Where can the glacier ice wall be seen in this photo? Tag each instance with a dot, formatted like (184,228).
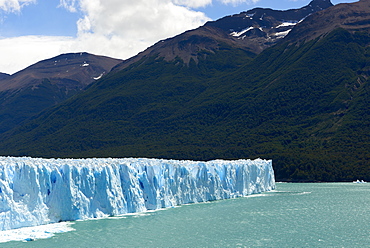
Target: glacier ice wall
(35,191)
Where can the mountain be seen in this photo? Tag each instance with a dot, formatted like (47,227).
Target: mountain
(353,17)
(253,31)
(47,83)
(4,76)
(302,102)
(260,28)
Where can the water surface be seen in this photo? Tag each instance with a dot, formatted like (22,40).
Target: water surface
(294,215)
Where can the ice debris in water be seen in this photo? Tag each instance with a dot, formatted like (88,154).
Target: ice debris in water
(36,191)
(26,234)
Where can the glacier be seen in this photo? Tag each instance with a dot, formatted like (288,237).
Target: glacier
(38,191)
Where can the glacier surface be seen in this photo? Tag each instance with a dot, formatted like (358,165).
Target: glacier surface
(36,191)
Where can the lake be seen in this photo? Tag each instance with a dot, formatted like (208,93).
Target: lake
(294,215)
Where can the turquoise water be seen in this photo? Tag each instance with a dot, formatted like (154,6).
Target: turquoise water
(294,215)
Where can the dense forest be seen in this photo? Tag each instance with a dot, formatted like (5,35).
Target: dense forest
(303,105)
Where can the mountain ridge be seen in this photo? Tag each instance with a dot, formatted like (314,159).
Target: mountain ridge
(266,32)
(73,66)
(4,76)
(302,104)
(46,83)
(353,17)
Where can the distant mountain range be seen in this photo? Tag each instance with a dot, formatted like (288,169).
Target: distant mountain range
(252,31)
(292,86)
(47,83)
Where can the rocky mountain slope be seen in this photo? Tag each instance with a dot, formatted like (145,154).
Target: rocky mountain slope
(4,76)
(353,17)
(260,28)
(47,83)
(253,31)
(302,102)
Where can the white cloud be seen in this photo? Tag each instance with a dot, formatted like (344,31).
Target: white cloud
(115,28)
(69,5)
(139,19)
(20,52)
(14,5)
(125,27)
(237,2)
(193,3)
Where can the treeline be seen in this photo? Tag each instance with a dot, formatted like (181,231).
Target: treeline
(305,106)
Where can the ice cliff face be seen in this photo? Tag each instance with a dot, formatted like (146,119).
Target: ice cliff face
(40,191)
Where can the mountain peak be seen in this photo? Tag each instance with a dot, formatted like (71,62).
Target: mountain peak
(321,3)
(4,75)
(47,83)
(70,65)
(260,28)
(350,16)
(253,30)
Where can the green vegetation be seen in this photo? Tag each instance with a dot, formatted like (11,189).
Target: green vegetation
(306,107)
(20,105)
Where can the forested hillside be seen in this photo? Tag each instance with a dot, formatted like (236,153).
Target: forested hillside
(304,103)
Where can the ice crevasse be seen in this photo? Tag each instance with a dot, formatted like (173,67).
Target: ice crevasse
(36,191)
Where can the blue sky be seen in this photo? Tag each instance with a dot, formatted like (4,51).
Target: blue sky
(32,30)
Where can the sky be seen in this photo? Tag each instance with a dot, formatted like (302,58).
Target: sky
(34,30)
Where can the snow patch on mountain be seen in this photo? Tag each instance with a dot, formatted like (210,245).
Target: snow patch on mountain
(287,24)
(99,77)
(238,34)
(280,35)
